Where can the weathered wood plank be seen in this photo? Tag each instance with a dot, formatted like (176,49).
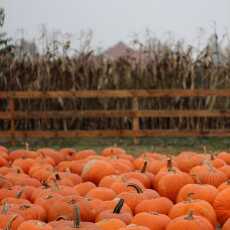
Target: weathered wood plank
(117,133)
(117,93)
(112,113)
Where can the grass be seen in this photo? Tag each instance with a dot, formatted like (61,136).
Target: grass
(165,145)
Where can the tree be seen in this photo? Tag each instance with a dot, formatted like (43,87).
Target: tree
(5,46)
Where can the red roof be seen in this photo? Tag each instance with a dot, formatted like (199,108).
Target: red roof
(119,50)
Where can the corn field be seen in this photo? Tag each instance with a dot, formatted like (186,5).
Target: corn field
(162,68)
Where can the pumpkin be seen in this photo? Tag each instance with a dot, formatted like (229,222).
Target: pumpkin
(152,220)
(221,205)
(224,156)
(62,224)
(226,225)
(95,170)
(224,185)
(116,213)
(35,225)
(198,207)
(83,154)
(190,221)
(217,162)
(226,170)
(111,204)
(8,219)
(101,193)
(3,161)
(68,153)
(160,204)
(198,191)
(112,151)
(83,188)
(110,224)
(187,160)
(170,184)
(134,227)
(132,199)
(207,174)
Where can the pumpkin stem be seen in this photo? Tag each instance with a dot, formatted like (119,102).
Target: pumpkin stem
(189,196)
(170,165)
(119,206)
(143,170)
(57,176)
(77,217)
(5,208)
(19,194)
(212,157)
(10,222)
(205,149)
(189,216)
(138,188)
(27,147)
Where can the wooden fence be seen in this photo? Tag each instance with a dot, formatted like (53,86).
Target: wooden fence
(135,113)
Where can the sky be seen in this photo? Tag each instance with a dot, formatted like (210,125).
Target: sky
(118,20)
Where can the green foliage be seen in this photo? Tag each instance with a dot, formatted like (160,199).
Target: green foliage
(5,42)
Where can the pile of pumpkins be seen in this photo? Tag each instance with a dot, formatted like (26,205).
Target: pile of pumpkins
(67,189)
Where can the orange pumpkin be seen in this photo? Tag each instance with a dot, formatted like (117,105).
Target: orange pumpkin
(226,225)
(160,204)
(198,207)
(95,170)
(34,225)
(224,156)
(154,221)
(207,174)
(110,224)
(116,213)
(198,191)
(221,205)
(190,221)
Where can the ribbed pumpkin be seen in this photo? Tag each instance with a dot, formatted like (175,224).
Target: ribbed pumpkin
(221,205)
(198,207)
(198,191)
(160,204)
(170,184)
(226,226)
(152,220)
(190,221)
(207,174)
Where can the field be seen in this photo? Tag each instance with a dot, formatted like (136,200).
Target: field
(162,145)
(59,188)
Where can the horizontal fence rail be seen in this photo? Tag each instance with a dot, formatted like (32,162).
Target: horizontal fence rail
(117,93)
(135,113)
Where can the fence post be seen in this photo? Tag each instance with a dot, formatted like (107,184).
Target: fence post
(11,108)
(136,125)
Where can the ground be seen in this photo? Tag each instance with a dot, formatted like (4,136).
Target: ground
(162,145)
